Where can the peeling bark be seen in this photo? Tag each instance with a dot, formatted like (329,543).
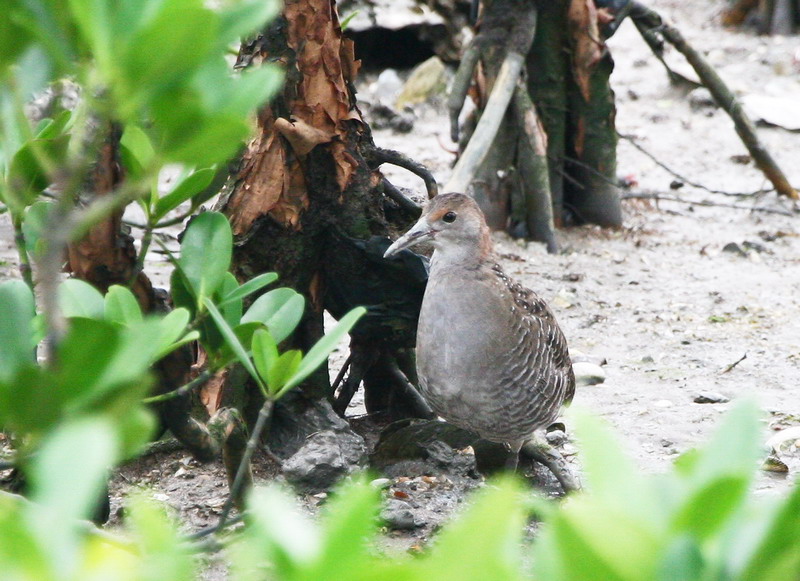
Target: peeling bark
(308,202)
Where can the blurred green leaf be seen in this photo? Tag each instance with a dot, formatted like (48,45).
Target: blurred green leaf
(597,541)
(28,175)
(21,555)
(318,354)
(683,561)
(349,522)
(710,506)
(170,44)
(34,223)
(16,333)
(245,17)
(734,448)
(206,253)
(287,537)
(80,299)
(121,306)
(775,552)
(494,553)
(162,555)
(248,288)
(136,427)
(65,490)
(52,128)
(188,187)
(172,326)
(136,151)
(610,475)
(280,310)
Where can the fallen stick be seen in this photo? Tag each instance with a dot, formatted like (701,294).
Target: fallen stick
(723,96)
(485,132)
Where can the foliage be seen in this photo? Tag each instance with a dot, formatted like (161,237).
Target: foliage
(155,68)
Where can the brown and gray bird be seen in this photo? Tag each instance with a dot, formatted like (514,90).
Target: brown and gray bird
(491,357)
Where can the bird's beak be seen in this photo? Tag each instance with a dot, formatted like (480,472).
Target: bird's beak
(420,232)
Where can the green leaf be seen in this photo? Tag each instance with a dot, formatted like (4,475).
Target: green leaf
(169,46)
(52,128)
(28,175)
(318,354)
(683,561)
(711,506)
(734,448)
(249,287)
(65,490)
(288,537)
(206,252)
(282,370)
(185,190)
(280,310)
(494,553)
(776,552)
(231,310)
(233,341)
(172,326)
(84,355)
(80,299)
(349,522)
(611,475)
(34,224)
(242,18)
(136,428)
(160,551)
(600,541)
(121,306)
(136,151)
(16,332)
(179,290)
(265,352)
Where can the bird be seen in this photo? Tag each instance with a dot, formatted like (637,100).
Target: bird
(491,357)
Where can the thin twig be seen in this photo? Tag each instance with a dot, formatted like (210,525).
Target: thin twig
(198,381)
(630,139)
(722,95)
(734,364)
(668,198)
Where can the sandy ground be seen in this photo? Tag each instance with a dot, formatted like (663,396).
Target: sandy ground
(660,303)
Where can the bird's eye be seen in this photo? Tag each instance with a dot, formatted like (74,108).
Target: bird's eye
(450,217)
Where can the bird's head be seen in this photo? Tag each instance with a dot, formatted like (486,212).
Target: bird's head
(453,223)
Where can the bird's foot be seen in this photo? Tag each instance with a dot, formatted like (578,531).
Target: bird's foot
(542,452)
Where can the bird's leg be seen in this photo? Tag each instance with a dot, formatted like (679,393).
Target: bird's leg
(513,456)
(542,452)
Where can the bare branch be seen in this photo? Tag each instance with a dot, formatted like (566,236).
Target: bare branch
(485,132)
(378,156)
(722,95)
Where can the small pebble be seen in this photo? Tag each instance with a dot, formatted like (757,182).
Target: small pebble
(381,483)
(588,373)
(556,438)
(711,397)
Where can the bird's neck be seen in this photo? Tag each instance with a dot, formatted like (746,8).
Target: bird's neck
(469,256)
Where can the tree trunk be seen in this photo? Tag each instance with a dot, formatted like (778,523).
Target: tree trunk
(553,160)
(308,203)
